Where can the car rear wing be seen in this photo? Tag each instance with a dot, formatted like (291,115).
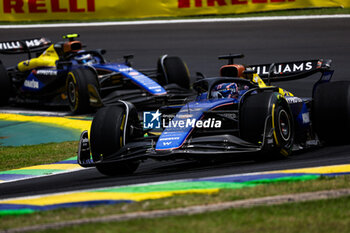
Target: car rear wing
(286,71)
(24,46)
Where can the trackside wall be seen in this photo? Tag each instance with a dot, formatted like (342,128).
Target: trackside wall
(37,10)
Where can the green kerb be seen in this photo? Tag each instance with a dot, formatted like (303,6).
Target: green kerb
(16,212)
(196,185)
(34,172)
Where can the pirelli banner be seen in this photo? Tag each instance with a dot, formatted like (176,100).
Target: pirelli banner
(36,10)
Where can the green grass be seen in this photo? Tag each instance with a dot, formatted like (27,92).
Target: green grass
(316,216)
(18,157)
(317,11)
(67,214)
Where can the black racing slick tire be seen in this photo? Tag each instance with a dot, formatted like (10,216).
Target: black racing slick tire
(173,70)
(110,130)
(265,114)
(5,85)
(331,112)
(77,87)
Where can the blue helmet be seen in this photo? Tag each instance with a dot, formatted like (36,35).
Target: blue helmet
(225,90)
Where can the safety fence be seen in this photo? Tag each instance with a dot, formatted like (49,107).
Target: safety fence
(42,10)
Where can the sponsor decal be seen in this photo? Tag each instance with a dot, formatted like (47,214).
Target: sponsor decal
(139,79)
(31,84)
(47,72)
(33,43)
(231,116)
(184,116)
(193,109)
(306,118)
(47,6)
(284,68)
(293,100)
(216,3)
(127,69)
(34,10)
(14,45)
(169,139)
(10,45)
(153,88)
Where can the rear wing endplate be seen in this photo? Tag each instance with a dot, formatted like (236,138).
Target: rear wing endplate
(24,46)
(291,70)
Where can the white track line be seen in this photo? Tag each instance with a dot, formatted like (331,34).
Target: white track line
(151,183)
(176,21)
(41,176)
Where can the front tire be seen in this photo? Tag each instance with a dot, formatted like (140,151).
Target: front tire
(77,87)
(111,129)
(262,113)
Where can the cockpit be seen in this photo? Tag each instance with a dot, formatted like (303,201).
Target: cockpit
(228,90)
(222,88)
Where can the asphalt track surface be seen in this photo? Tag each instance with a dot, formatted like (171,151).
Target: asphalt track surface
(199,44)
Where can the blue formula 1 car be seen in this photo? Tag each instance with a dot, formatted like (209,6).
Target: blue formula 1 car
(237,114)
(65,74)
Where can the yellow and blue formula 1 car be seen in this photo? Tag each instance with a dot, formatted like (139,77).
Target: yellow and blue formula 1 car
(239,113)
(65,73)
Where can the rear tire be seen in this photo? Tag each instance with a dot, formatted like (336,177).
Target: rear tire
(5,85)
(331,112)
(253,114)
(173,70)
(107,137)
(77,87)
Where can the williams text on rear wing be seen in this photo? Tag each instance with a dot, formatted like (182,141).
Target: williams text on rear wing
(291,70)
(24,46)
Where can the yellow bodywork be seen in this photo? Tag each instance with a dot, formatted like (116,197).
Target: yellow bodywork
(256,79)
(46,59)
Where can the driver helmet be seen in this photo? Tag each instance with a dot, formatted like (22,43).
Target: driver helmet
(226,90)
(84,59)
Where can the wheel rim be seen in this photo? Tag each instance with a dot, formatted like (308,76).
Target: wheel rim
(72,92)
(284,125)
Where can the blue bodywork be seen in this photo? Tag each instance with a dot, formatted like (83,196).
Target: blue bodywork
(43,77)
(174,136)
(136,77)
